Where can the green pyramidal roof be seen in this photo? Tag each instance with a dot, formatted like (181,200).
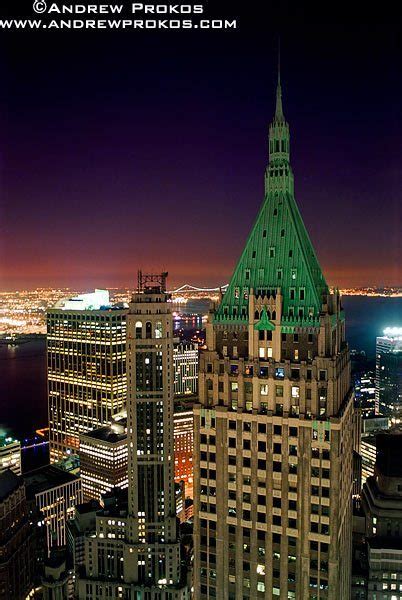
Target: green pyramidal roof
(278,254)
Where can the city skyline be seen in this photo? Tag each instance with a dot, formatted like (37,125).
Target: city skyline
(89,150)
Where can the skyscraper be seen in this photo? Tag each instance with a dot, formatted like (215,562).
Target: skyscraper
(273,438)
(185,361)
(103,460)
(183,447)
(136,547)
(86,341)
(388,380)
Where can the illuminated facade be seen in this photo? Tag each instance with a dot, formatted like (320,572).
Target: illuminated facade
(103,460)
(137,549)
(274,426)
(87,382)
(388,382)
(183,449)
(368,453)
(10,455)
(52,494)
(185,363)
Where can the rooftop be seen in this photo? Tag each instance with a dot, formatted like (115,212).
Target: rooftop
(88,507)
(46,478)
(114,433)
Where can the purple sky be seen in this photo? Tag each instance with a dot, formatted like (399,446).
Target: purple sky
(122,151)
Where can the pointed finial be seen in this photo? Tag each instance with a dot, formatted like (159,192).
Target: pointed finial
(279,109)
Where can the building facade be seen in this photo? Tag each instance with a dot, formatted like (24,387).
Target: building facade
(103,460)
(183,448)
(185,363)
(382,505)
(10,454)
(17,542)
(87,384)
(273,441)
(52,495)
(388,382)
(136,548)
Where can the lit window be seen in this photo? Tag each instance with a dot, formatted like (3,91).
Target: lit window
(264,389)
(295,391)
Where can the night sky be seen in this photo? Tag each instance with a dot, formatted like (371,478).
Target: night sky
(125,150)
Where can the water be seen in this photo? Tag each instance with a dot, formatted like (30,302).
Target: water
(23,401)
(366,318)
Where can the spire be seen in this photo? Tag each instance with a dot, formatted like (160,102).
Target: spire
(279,109)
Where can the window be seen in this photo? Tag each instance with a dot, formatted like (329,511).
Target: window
(272,252)
(138,330)
(301,293)
(158,329)
(264,233)
(264,389)
(247,274)
(279,274)
(148,330)
(280,373)
(292,292)
(293,273)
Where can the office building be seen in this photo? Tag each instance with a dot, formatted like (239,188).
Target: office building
(374,424)
(86,341)
(365,394)
(57,581)
(103,460)
(274,426)
(185,362)
(10,454)
(388,382)
(368,453)
(382,505)
(183,447)
(135,547)
(52,494)
(17,541)
(81,525)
